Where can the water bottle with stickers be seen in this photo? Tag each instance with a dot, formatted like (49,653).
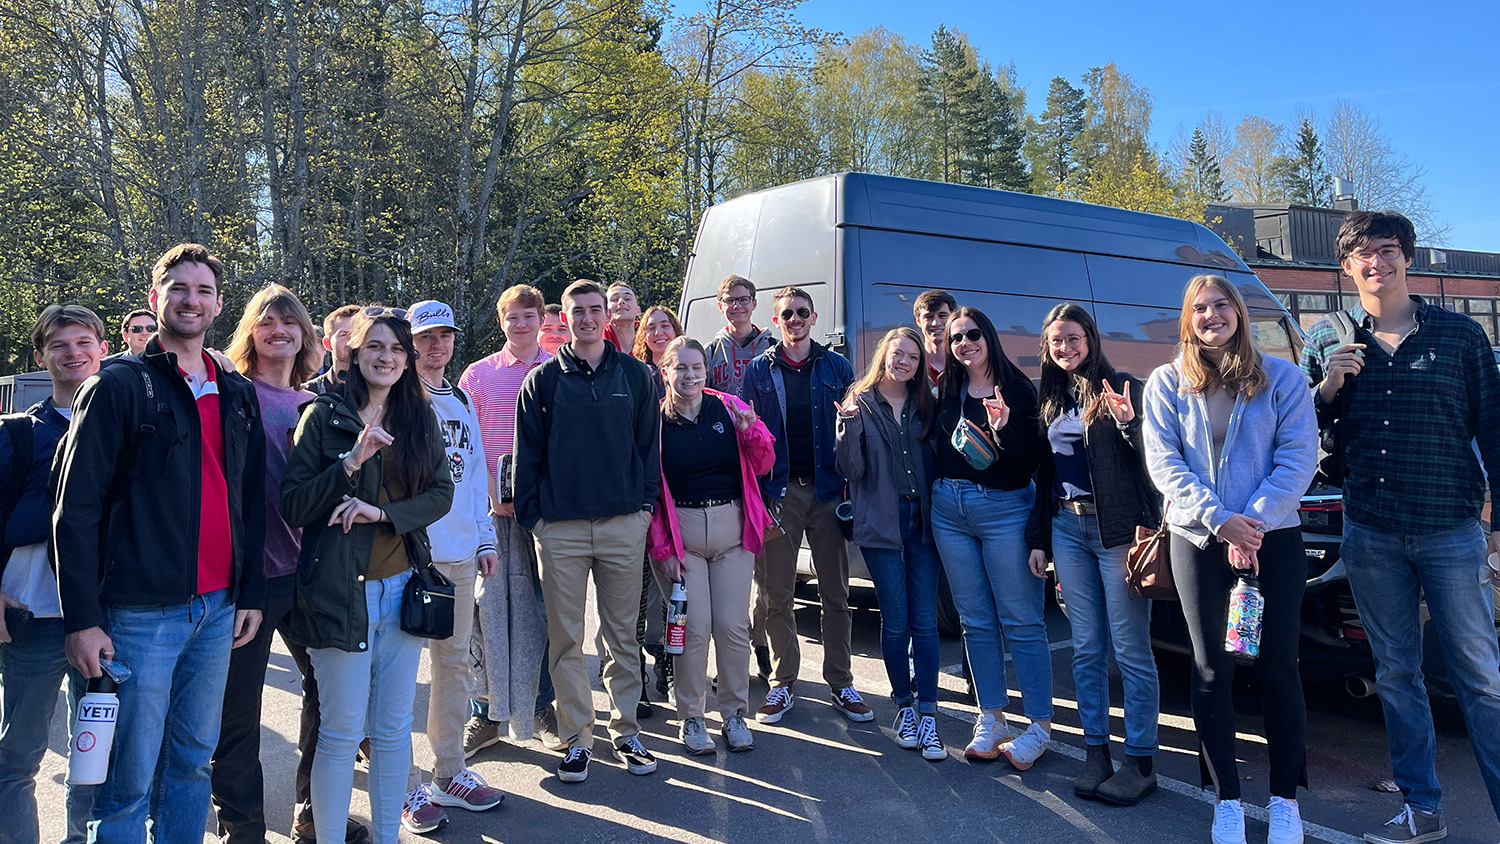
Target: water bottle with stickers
(1246,609)
(677,619)
(94,726)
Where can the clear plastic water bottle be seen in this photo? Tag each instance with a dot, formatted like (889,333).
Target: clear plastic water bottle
(677,619)
(1246,609)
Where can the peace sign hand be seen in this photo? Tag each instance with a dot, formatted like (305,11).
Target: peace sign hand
(846,411)
(744,418)
(1118,404)
(997,411)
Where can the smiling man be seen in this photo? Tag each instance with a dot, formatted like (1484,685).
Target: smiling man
(588,469)
(932,310)
(159,538)
(69,343)
(739,342)
(1411,394)
(136,330)
(794,387)
(624,311)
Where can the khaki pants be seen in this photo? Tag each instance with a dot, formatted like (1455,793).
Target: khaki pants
(611,549)
(716,571)
(801,513)
(448,695)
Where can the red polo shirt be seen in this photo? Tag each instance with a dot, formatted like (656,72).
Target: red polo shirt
(215,545)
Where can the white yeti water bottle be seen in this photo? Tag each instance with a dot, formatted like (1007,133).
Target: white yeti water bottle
(93,732)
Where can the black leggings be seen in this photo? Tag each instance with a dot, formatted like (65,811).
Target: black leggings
(1204,580)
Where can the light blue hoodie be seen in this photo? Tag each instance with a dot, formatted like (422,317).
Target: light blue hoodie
(1270,452)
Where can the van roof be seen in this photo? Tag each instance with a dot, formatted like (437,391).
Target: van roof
(951,210)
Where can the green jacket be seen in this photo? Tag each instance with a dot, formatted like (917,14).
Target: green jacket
(330,609)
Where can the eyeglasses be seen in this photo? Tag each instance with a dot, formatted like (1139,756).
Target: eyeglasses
(972,335)
(742,301)
(1389,254)
(1072,342)
(800,313)
(142,329)
(378,311)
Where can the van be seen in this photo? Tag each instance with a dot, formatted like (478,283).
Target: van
(864,247)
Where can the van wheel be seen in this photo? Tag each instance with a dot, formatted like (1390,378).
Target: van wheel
(947,614)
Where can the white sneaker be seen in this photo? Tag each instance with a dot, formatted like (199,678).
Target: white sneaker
(1229,822)
(989,733)
(1286,822)
(1025,749)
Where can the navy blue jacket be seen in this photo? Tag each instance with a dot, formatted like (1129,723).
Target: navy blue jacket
(32,519)
(764,390)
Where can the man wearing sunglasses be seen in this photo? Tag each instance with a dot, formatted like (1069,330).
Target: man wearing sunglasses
(794,387)
(136,328)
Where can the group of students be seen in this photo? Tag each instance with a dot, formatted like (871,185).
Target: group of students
(199,502)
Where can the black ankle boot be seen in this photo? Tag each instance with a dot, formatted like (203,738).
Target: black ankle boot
(1134,782)
(1096,769)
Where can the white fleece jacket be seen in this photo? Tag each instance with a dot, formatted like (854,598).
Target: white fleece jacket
(467,530)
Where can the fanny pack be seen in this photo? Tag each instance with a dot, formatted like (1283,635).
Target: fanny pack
(970,441)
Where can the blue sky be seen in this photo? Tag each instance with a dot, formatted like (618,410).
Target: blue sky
(1425,70)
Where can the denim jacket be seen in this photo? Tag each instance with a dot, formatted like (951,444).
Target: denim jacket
(765,390)
(1270,452)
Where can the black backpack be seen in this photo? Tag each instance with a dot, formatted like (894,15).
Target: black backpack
(23,439)
(1331,436)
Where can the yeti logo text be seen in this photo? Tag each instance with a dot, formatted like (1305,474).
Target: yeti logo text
(97,711)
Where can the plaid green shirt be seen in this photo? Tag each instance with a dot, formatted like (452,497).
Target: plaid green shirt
(1413,416)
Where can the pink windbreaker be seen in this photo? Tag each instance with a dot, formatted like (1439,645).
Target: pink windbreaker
(757,453)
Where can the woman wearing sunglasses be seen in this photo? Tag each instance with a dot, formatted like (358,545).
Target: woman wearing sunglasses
(1092,492)
(987,446)
(1231,442)
(884,454)
(366,475)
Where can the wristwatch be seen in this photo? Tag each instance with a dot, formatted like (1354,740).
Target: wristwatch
(648,508)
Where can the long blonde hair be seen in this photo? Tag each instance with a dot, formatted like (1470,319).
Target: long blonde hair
(275,299)
(917,391)
(1241,369)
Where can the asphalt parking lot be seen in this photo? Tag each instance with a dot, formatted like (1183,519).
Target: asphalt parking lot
(818,777)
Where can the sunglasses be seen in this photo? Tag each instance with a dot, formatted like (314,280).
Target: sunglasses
(142,329)
(379,311)
(800,313)
(972,335)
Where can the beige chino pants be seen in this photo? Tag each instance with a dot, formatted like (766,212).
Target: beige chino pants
(716,572)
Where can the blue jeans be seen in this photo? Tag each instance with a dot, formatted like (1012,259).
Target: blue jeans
(168,727)
(906,583)
(981,536)
(1102,612)
(1390,573)
(369,692)
(31,669)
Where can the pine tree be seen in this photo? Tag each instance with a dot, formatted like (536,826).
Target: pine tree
(948,89)
(1053,146)
(1304,177)
(1203,175)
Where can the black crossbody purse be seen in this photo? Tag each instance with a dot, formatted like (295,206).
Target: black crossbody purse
(427,602)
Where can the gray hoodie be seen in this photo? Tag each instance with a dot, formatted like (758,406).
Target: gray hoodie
(728,360)
(1270,452)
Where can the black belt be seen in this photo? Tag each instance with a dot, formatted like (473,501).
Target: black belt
(1082,508)
(704,503)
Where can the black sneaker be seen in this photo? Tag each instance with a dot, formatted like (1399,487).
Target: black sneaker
(636,758)
(575,765)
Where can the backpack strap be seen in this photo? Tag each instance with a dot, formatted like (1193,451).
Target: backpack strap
(462,396)
(23,442)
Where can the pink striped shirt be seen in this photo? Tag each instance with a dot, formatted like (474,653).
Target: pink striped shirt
(493,385)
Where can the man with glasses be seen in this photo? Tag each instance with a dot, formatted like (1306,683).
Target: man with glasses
(794,386)
(1406,401)
(729,355)
(136,328)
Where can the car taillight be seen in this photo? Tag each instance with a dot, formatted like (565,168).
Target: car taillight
(1336,506)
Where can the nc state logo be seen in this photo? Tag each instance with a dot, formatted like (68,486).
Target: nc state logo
(456,466)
